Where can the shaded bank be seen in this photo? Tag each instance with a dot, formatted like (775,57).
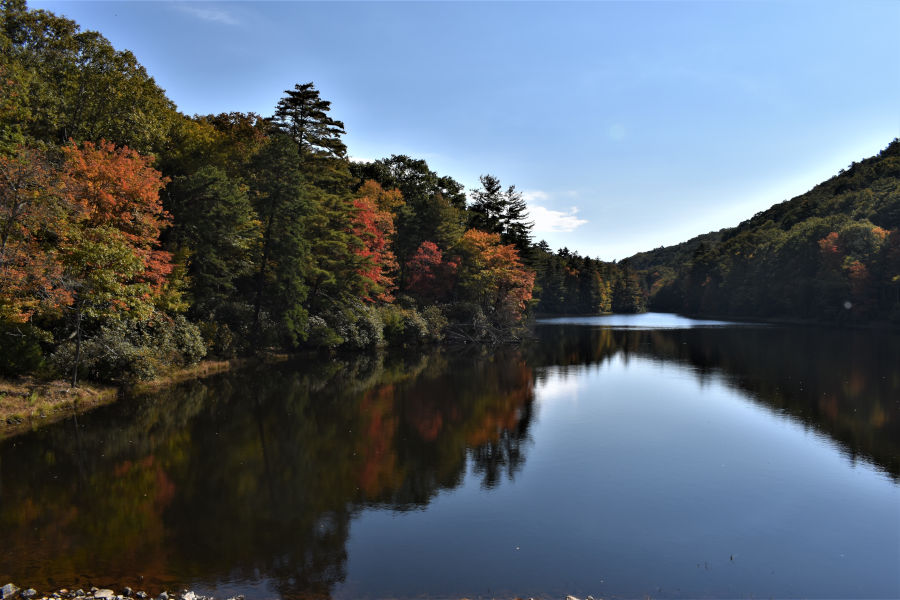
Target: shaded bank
(27,403)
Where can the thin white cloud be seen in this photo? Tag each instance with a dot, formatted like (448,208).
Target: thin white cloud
(534,196)
(208,13)
(360,159)
(547,220)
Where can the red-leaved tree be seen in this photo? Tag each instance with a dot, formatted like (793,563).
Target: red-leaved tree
(429,276)
(373,224)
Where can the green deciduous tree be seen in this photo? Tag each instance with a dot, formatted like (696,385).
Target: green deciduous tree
(80,87)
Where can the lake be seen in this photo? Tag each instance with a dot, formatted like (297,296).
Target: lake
(622,457)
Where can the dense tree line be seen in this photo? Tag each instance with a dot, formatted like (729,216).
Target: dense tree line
(831,254)
(133,237)
(572,284)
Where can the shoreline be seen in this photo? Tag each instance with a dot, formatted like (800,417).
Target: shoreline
(28,403)
(790,321)
(11,592)
(795,321)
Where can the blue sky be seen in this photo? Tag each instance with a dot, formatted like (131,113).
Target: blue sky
(628,125)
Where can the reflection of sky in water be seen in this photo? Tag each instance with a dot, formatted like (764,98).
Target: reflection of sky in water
(556,385)
(640,321)
(648,478)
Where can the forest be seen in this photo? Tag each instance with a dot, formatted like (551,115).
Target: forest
(829,255)
(134,238)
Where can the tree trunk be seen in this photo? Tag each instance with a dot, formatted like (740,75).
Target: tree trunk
(77,346)
(261,274)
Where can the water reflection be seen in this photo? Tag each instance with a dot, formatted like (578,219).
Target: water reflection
(255,475)
(843,383)
(252,480)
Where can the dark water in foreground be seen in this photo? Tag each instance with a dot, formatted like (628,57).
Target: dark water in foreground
(618,457)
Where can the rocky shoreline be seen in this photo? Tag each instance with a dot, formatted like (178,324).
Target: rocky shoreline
(12,592)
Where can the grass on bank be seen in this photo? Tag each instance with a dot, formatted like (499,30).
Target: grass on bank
(27,402)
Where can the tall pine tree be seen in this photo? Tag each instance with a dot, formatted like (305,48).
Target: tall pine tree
(502,212)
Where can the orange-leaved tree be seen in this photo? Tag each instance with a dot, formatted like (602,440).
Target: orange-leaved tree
(112,261)
(33,225)
(492,275)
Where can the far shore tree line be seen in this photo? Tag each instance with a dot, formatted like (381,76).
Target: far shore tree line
(134,238)
(830,255)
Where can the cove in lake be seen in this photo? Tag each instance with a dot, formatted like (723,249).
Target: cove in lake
(614,456)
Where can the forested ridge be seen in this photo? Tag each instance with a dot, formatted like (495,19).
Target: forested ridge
(831,254)
(134,238)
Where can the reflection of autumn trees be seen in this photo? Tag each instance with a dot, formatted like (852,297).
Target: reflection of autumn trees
(255,475)
(844,383)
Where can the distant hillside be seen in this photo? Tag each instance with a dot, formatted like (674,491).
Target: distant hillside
(832,253)
(673,255)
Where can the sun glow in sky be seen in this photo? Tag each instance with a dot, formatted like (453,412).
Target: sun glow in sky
(627,125)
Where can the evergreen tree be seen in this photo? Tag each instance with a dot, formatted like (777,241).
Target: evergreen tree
(516,227)
(284,256)
(488,206)
(332,271)
(215,227)
(303,116)
(502,212)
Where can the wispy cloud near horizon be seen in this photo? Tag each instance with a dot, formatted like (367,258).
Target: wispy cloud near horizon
(547,220)
(208,13)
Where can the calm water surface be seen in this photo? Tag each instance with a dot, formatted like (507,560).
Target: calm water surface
(619,456)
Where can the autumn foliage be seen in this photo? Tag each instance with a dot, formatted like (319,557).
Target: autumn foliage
(481,270)
(373,224)
(33,224)
(494,276)
(115,192)
(85,230)
(429,275)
